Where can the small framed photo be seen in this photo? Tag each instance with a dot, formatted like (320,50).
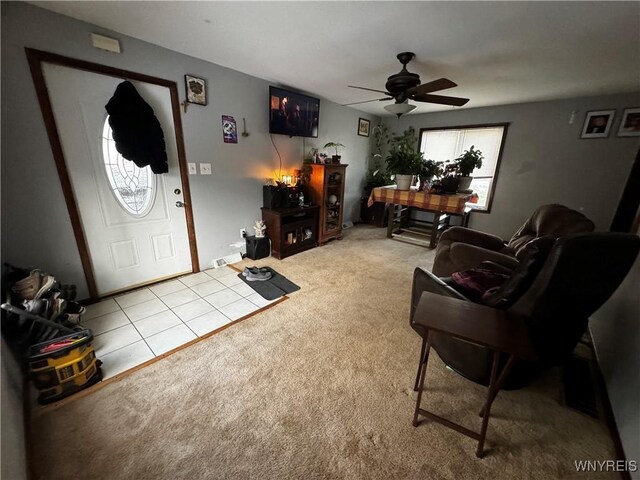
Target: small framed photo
(597,124)
(363,127)
(196,89)
(630,124)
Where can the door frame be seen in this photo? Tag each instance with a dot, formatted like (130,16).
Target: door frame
(36,58)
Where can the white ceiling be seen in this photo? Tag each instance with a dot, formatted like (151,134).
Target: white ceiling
(497,52)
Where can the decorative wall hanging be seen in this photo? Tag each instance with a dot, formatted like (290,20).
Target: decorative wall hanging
(597,124)
(229,130)
(136,130)
(363,127)
(630,124)
(196,89)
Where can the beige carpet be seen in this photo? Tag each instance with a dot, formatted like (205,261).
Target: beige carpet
(317,387)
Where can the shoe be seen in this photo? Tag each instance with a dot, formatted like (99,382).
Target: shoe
(255,274)
(73,312)
(34,286)
(35,307)
(58,306)
(69,292)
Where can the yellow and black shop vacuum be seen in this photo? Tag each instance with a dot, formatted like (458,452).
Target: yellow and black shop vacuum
(63,366)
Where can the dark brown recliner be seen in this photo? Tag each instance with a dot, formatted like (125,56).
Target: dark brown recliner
(462,248)
(557,286)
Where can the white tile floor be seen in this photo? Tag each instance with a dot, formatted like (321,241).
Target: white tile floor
(138,326)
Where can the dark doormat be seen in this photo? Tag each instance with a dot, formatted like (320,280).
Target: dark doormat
(277,286)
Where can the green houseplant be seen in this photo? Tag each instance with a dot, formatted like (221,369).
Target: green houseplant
(429,170)
(450,177)
(376,214)
(336,157)
(403,160)
(467,163)
(376,178)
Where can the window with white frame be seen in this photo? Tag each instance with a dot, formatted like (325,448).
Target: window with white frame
(449,143)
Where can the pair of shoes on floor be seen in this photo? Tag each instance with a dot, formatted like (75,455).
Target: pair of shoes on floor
(255,274)
(34,286)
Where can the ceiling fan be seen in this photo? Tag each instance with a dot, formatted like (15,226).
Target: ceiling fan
(404,86)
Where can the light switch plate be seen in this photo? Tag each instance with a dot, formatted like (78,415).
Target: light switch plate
(205,169)
(192,169)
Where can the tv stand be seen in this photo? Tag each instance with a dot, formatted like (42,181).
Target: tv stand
(291,230)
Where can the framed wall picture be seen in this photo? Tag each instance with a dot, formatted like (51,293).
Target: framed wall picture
(363,127)
(196,89)
(597,124)
(630,124)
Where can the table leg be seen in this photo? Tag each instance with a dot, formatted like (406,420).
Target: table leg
(422,374)
(434,230)
(424,345)
(503,375)
(487,406)
(392,214)
(465,219)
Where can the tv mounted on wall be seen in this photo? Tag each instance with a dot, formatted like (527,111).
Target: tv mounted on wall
(292,113)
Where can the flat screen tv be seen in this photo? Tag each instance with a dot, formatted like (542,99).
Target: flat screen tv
(292,113)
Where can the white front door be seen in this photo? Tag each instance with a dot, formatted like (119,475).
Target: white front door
(135,229)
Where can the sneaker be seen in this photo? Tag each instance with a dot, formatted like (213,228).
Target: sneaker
(35,306)
(74,311)
(28,286)
(57,308)
(69,292)
(34,286)
(255,274)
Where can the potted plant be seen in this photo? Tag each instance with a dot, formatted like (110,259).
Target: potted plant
(336,157)
(467,163)
(450,179)
(376,214)
(375,179)
(403,160)
(429,170)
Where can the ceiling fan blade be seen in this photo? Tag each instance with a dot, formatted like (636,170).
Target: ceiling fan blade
(370,89)
(367,101)
(434,86)
(441,99)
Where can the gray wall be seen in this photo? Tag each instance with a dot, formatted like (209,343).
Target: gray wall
(12,439)
(544,159)
(616,333)
(36,229)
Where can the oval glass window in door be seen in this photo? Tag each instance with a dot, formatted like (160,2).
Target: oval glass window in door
(133,187)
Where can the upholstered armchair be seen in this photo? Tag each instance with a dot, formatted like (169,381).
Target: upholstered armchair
(462,248)
(557,285)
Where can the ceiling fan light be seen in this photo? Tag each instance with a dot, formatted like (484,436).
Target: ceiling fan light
(399,108)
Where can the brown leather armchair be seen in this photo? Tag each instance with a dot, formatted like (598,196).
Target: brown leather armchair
(462,248)
(557,285)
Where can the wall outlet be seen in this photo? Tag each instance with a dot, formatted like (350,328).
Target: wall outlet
(243,233)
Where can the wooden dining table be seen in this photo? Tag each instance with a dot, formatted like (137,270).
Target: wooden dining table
(401,202)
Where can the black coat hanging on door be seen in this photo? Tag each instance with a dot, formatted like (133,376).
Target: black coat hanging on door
(136,130)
